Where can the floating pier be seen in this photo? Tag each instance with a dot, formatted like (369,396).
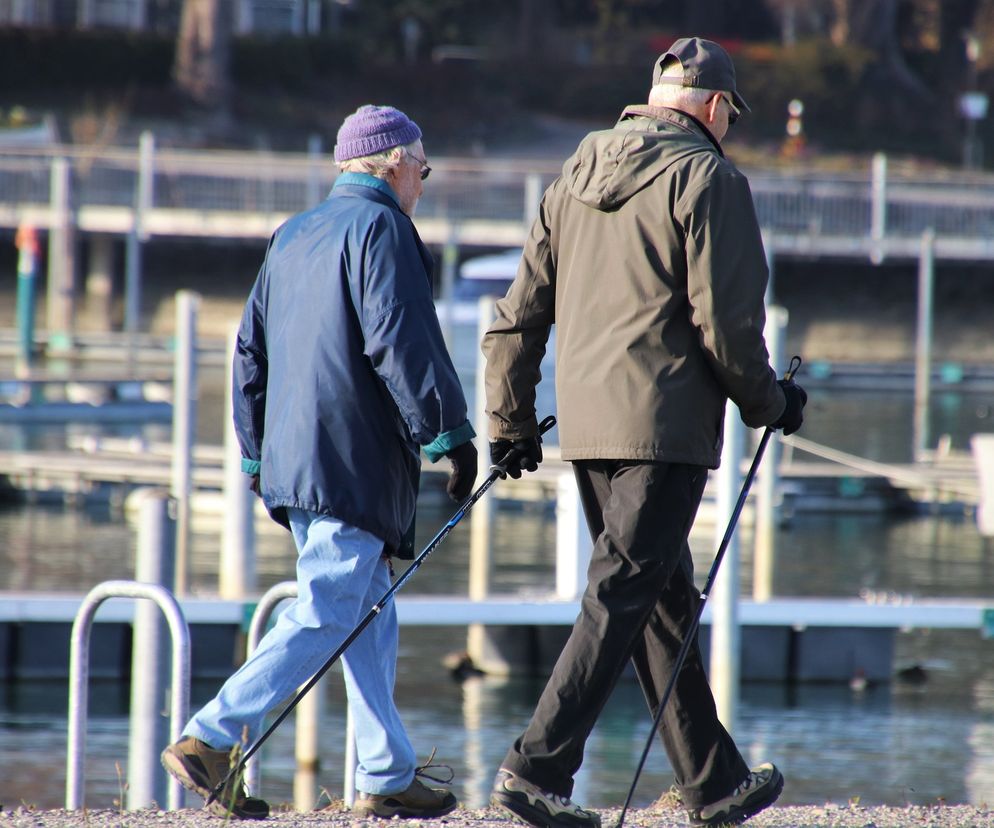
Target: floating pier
(784,639)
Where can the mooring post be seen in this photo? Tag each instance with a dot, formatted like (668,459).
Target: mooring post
(184,427)
(307,748)
(61,258)
(573,543)
(533,197)
(236,576)
(450,261)
(878,207)
(148,728)
(923,343)
(137,235)
(482,515)
(315,148)
(768,499)
(724,671)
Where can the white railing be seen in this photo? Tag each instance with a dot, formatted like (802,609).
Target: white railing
(883,208)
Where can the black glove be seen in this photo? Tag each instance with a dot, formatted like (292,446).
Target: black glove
(793,414)
(255,485)
(463,474)
(527,455)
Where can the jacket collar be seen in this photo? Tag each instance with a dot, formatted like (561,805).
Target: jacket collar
(360,179)
(672,116)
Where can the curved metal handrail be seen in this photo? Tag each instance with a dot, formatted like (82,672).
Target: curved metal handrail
(79,657)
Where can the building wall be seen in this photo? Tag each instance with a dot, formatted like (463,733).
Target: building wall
(285,16)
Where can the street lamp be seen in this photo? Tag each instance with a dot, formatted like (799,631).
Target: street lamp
(972,106)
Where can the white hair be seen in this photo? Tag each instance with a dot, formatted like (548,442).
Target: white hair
(378,164)
(674,96)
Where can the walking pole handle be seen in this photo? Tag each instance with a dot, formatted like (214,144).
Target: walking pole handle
(792,368)
(500,469)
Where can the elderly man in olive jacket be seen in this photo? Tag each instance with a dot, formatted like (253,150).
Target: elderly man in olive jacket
(647,255)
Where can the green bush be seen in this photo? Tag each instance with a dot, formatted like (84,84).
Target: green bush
(290,62)
(53,60)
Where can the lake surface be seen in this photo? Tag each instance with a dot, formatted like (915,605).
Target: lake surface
(893,743)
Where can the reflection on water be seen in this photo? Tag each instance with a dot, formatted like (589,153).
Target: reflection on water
(887,745)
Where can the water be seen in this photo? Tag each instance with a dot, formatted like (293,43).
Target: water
(890,744)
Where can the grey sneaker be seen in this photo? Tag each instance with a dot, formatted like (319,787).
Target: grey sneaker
(542,809)
(417,802)
(200,768)
(759,790)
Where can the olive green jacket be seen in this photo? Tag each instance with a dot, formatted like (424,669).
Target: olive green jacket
(647,256)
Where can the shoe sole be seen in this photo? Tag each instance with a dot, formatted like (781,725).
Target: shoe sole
(405,813)
(739,814)
(177,770)
(536,815)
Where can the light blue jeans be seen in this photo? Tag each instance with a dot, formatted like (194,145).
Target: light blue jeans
(341,573)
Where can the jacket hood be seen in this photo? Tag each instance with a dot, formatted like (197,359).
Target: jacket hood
(611,165)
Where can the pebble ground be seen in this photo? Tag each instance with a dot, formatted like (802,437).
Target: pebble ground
(808,816)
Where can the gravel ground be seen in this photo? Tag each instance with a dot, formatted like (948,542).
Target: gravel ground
(820,816)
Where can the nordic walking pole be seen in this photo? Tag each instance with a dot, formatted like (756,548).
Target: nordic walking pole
(496,473)
(795,364)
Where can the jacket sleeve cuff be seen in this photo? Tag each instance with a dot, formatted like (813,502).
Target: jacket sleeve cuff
(251,466)
(445,442)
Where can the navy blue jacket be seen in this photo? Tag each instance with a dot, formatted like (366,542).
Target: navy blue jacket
(340,369)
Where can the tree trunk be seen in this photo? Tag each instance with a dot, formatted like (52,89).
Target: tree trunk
(873,25)
(201,65)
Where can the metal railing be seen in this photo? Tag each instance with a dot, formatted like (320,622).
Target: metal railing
(218,193)
(79,656)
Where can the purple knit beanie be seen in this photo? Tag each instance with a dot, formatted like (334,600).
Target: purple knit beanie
(372,129)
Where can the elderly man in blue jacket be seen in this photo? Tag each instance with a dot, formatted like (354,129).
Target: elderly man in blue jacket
(341,376)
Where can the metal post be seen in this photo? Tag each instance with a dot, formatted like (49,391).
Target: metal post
(85,13)
(481,518)
(99,286)
(273,597)
(314,153)
(768,492)
(307,749)
(878,207)
(184,426)
(26,242)
(450,259)
(236,577)
(573,543)
(351,760)
(923,342)
(79,657)
(137,234)
(724,672)
(148,734)
(61,258)
(533,197)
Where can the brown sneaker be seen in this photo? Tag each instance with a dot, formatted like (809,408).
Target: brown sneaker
(418,801)
(200,769)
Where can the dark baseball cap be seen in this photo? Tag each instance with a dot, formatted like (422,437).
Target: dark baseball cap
(705,65)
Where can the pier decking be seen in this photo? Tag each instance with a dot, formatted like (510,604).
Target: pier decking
(784,639)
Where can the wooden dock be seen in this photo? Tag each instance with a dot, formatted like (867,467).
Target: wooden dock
(784,639)
(813,477)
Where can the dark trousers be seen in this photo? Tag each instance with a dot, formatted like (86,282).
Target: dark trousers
(639,601)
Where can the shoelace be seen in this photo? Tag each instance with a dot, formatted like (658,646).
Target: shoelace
(750,780)
(422,770)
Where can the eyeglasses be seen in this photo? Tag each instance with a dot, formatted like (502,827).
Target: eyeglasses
(425,169)
(733,110)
